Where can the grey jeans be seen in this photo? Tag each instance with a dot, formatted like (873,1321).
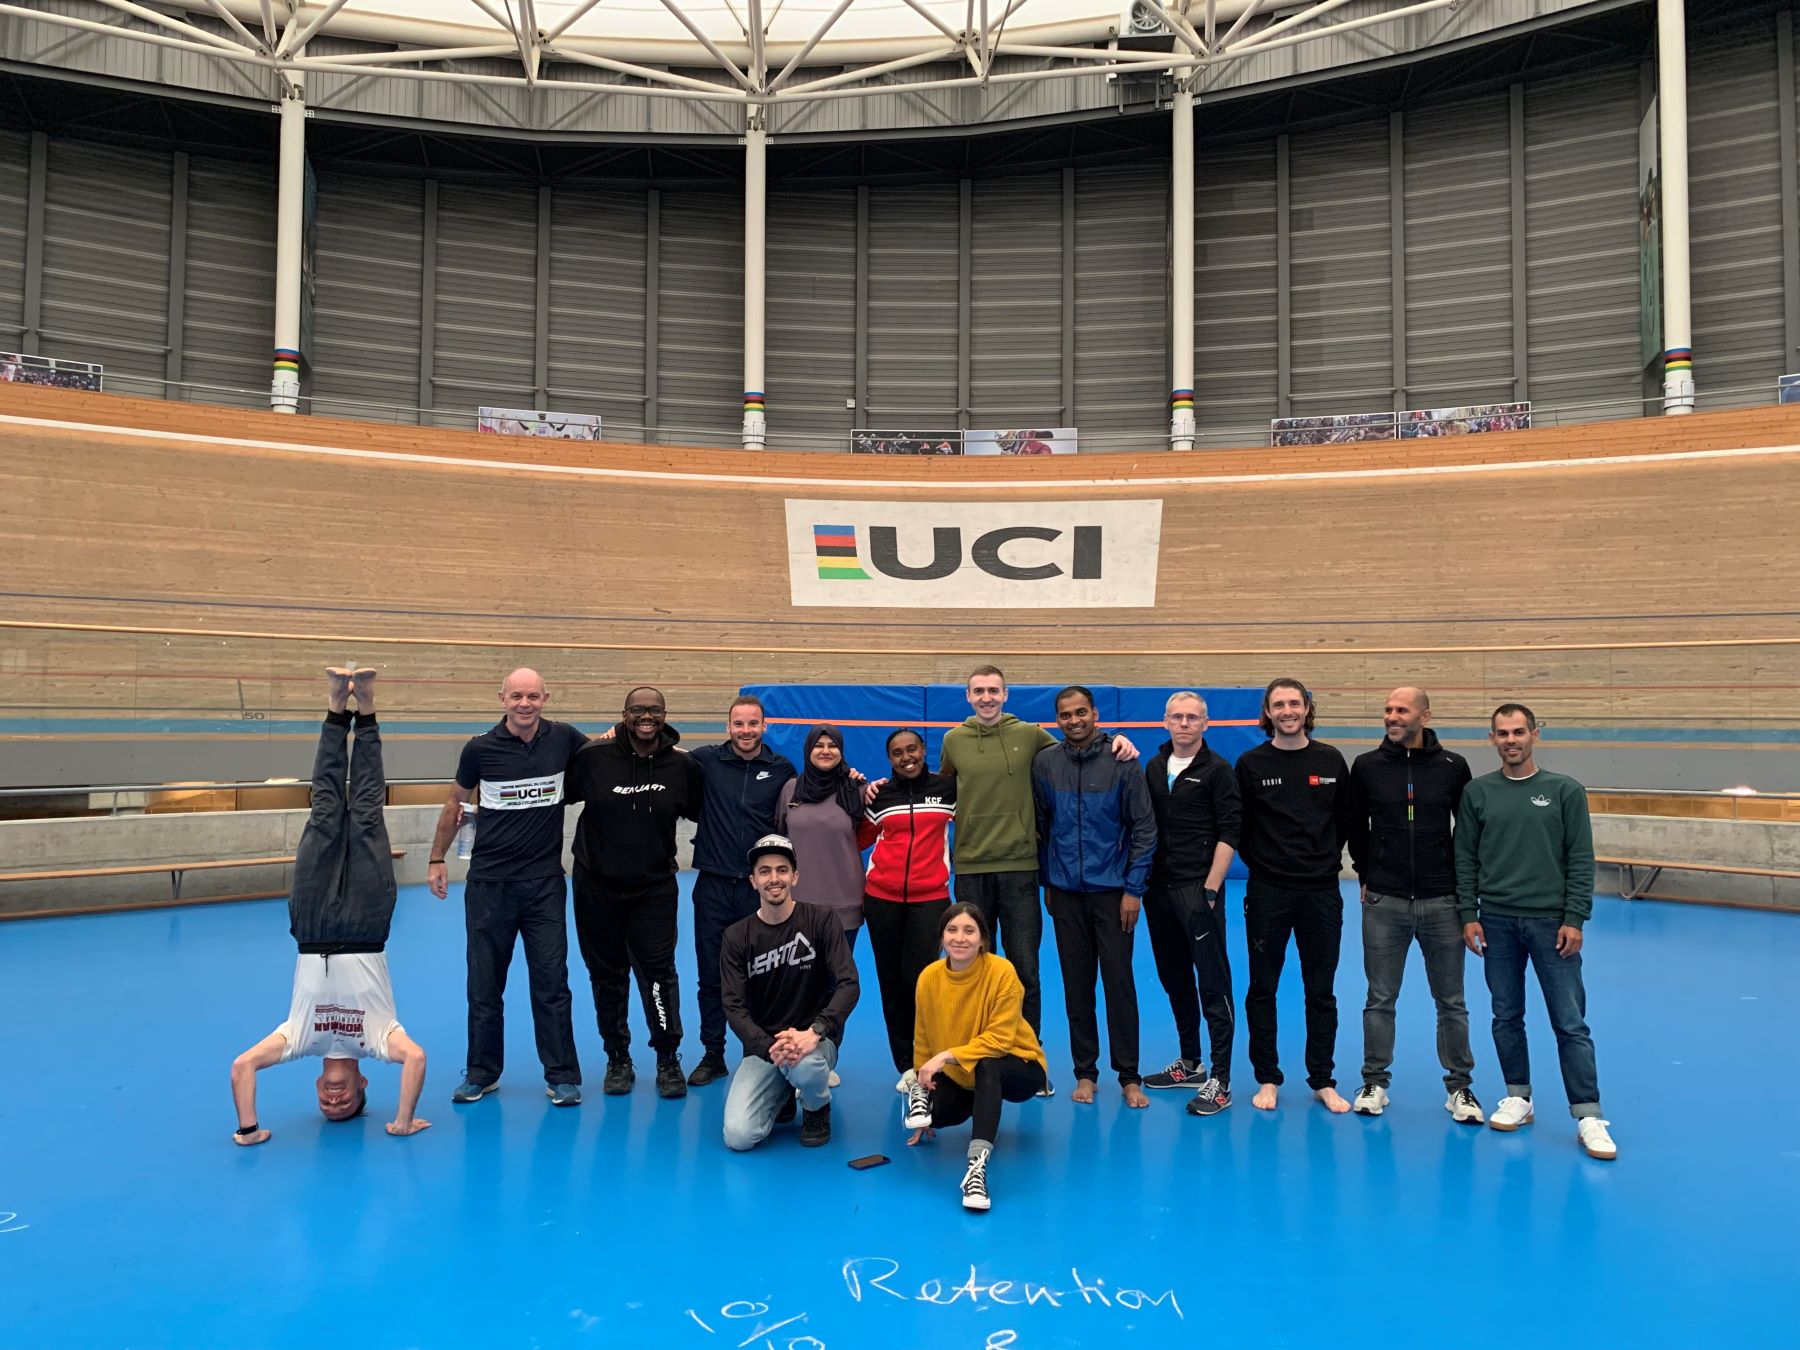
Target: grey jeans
(1390,925)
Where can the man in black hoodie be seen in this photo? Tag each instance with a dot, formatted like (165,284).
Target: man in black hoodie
(1404,798)
(635,786)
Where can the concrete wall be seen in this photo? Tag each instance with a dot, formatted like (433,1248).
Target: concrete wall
(1740,843)
(116,841)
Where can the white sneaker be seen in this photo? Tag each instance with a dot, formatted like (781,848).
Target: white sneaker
(918,1107)
(1048,1090)
(1595,1139)
(1463,1107)
(974,1184)
(907,1079)
(1372,1100)
(1511,1113)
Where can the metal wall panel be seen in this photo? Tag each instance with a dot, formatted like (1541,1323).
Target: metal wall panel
(366,327)
(1122,306)
(597,305)
(1581,244)
(912,318)
(228,318)
(15,174)
(1016,303)
(701,316)
(1341,280)
(1459,253)
(1235,358)
(106,262)
(485,335)
(811,319)
(1734,213)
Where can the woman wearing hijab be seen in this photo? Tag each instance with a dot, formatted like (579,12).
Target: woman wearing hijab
(819,812)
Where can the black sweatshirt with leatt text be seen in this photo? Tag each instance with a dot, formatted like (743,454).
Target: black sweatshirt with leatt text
(1296,814)
(797,973)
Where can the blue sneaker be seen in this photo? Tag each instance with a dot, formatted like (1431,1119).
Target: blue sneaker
(563,1094)
(470,1091)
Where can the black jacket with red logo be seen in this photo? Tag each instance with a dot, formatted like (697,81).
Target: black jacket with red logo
(1297,810)
(909,824)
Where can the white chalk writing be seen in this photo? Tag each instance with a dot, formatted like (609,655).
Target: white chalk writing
(865,1275)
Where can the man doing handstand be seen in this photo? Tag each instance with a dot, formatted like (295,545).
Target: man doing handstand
(339,914)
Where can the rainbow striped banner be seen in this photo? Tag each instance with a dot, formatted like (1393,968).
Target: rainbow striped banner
(835,550)
(754,402)
(287,361)
(1678,360)
(1182,400)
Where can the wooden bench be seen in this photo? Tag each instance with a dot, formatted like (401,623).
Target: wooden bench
(1631,888)
(176,870)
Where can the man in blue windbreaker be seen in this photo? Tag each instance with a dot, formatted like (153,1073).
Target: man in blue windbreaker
(1096,835)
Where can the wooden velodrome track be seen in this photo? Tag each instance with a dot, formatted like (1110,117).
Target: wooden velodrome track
(187,558)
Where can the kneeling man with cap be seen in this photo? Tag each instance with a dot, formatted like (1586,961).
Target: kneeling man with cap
(788,983)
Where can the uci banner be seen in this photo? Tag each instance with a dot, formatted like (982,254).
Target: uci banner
(973,555)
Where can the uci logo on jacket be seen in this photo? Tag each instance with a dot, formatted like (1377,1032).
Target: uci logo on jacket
(927,555)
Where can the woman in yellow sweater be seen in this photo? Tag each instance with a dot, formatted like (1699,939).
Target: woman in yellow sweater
(972,1047)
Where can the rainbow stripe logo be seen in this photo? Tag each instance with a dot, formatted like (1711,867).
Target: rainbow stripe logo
(1678,360)
(1181,400)
(835,547)
(754,402)
(287,361)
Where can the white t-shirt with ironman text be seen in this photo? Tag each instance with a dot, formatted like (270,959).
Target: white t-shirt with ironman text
(343,1008)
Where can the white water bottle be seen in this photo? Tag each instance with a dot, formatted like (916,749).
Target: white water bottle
(465,833)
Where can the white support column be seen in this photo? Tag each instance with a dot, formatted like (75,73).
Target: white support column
(284,388)
(756,192)
(1181,273)
(1677,309)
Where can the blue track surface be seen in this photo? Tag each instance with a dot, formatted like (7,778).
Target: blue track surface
(128,1218)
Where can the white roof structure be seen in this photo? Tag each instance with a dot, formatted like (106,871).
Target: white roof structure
(754,53)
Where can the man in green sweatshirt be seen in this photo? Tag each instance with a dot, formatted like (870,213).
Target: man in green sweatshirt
(996,850)
(1524,888)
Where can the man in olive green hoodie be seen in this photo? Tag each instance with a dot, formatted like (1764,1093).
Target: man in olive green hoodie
(996,851)
(1524,889)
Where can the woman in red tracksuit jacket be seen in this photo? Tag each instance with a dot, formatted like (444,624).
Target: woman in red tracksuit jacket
(907,889)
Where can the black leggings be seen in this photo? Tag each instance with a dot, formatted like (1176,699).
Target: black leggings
(996,1080)
(904,937)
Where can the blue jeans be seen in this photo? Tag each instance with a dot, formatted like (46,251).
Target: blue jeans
(1510,943)
(1390,925)
(758,1089)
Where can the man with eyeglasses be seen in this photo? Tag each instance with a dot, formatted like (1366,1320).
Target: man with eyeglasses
(1194,795)
(635,786)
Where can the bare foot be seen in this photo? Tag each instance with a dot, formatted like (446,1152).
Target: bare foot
(1084,1091)
(1333,1102)
(362,681)
(337,696)
(1134,1096)
(1264,1100)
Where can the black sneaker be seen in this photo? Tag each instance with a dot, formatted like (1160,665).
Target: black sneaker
(620,1075)
(784,1114)
(710,1069)
(974,1184)
(1181,1073)
(1212,1098)
(816,1128)
(670,1081)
